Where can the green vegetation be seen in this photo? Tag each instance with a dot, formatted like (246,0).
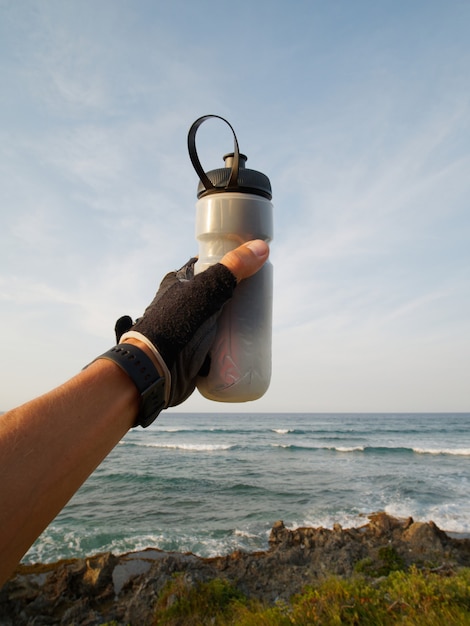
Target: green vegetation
(388,561)
(411,598)
(213,602)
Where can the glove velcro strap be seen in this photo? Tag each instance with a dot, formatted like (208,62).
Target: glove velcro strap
(143,373)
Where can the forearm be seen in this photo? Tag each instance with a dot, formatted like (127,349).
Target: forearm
(48,447)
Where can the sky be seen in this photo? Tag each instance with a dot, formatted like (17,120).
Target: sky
(357,111)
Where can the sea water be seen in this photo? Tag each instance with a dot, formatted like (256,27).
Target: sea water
(213,483)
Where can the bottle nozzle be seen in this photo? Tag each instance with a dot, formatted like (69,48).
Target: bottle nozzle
(228,158)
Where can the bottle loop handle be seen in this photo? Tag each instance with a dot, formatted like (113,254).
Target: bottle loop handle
(233,180)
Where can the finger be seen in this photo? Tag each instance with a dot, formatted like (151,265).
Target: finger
(247,259)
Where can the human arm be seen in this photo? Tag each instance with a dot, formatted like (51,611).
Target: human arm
(49,446)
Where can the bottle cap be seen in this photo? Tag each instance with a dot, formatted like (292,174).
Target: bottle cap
(234,176)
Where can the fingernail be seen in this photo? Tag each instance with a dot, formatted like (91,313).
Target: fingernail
(258,247)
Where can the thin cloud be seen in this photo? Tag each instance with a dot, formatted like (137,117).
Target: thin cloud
(362,128)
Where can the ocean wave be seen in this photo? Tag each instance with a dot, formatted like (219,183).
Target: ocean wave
(245,534)
(160,430)
(342,449)
(326,520)
(376,449)
(319,448)
(449,451)
(189,447)
(205,431)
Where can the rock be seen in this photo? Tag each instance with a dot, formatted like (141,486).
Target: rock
(124,589)
(278,534)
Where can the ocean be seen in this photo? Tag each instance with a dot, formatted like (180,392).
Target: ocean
(214,483)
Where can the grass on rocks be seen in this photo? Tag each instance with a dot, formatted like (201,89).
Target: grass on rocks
(409,598)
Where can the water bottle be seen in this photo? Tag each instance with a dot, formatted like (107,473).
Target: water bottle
(234,207)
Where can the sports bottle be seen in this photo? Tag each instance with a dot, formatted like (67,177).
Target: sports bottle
(234,206)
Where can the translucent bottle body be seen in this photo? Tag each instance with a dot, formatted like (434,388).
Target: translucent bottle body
(241,352)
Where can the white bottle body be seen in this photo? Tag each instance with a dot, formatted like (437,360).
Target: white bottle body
(241,352)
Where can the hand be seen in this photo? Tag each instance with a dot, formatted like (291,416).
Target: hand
(181,321)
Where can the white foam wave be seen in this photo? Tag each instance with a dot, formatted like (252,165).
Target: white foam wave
(281,431)
(245,534)
(190,447)
(451,518)
(343,449)
(171,430)
(451,451)
(346,520)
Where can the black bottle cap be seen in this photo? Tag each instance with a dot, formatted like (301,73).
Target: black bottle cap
(248,181)
(233,177)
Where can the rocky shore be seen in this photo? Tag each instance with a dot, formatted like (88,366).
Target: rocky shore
(124,589)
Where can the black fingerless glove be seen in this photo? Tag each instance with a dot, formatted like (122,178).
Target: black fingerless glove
(180,323)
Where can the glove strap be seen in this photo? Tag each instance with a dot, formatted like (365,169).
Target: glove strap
(143,373)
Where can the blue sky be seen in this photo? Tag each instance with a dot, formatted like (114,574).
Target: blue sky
(357,111)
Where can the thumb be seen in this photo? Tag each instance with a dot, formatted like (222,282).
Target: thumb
(247,259)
